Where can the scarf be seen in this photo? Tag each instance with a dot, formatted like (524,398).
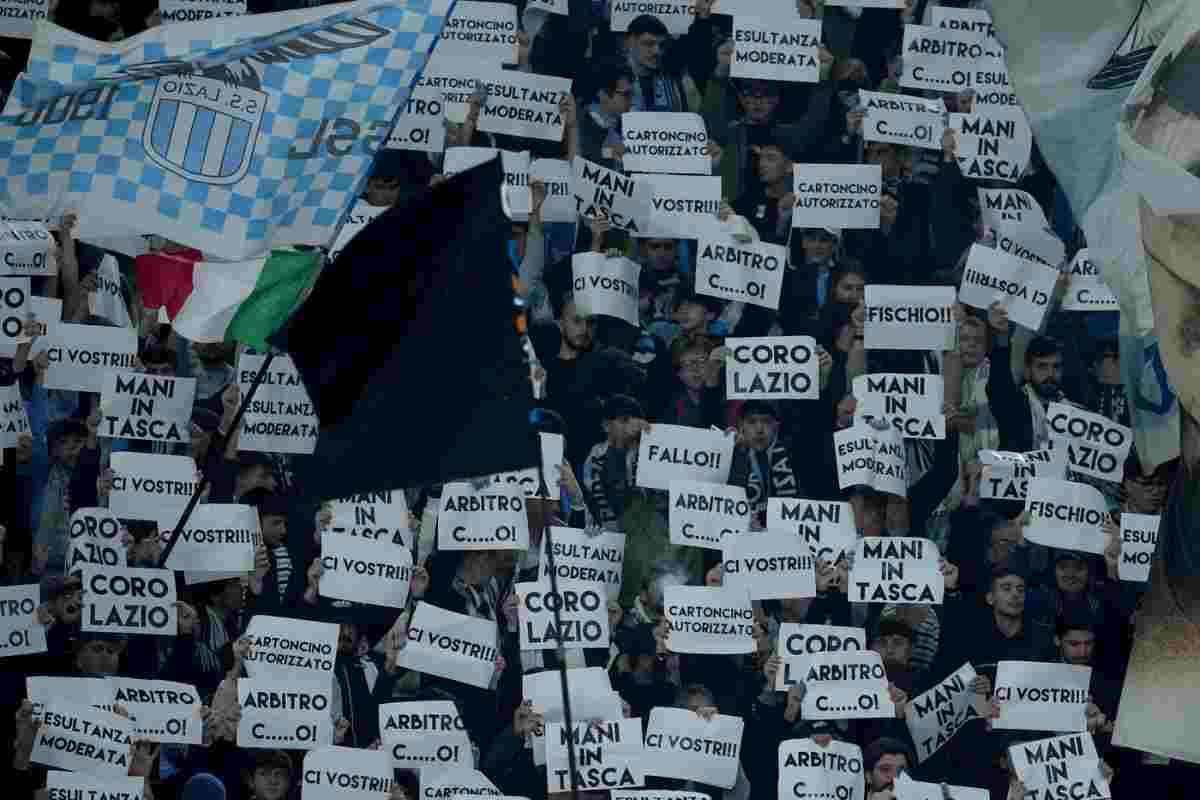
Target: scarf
(653,90)
(1037,412)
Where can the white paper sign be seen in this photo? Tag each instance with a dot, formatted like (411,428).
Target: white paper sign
(896,569)
(776,49)
(1096,446)
(482,31)
(837,195)
(902,119)
(346,773)
(555,173)
(769,565)
(681,206)
(672,142)
(425,734)
(365,571)
(1087,290)
(1061,766)
(196,10)
(847,685)
(491,518)
(359,217)
(750,273)
(422,126)
(680,744)
(14,312)
(218,537)
(908,789)
(910,318)
(108,301)
(799,644)
(81,354)
(582,607)
(676,452)
(523,104)
(808,770)
(20,632)
(1139,539)
(285,713)
(870,457)
(993,143)
(910,403)
(451,645)
(151,486)
(606,286)
(677,15)
(941,59)
(703,514)
(935,715)
(14,420)
(711,620)
(130,600)
(420,717)
(1036,696)
(155,408)
(162,711)
(579,556)
(381,516)
(63,785)
(1066,515)
(1011,208)
(1023,287)
(552,457)
(280,418)
(608,755)
(24,245)
(44,690)
(600,192)
(825,526)
(284,649)
(1006,475)
(83,739)
(772,368)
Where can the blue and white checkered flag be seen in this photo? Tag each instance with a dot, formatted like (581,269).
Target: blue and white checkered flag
(232,137)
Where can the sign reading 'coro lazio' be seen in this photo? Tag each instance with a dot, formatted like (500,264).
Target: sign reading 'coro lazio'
(582,619)
(129,600)
(749,272)
(14,312)
(772,368)
(280,418)
(1096,446)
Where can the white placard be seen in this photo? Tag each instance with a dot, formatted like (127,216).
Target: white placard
(993,143)
(130,600)
(826,526)
(280,418)
(582,607)
(1005,475)
(1036,696)
(776,49)
(902,119)
(63,785)
(516,198)
(555,173)
(1139,539)
(454,782)
(1096,446)
(420,717)
(20,632)
(681,206)
(1066,515)
(967,20)
(14,312)
(418,739)
(151,486)
(836,195)
(491,518)
(47,316)
(908,789)
(910,403)
(671,142)
(451,645)
(422,126)
(83,739)
(81,354)
(162,711)
(606,286)
(380,516)
(108,301)
(680,744)
(481,31)
(283,649)
(910,318)
(601,192)
(772,368)
(365,571)
(847,685)
(799,644)
(870,457)
(197,10)
(359,218)
(154,408)
(95,538)
(523,104)
(680,453)
(346,773)
(1025,288)
(808,770)
(677,15)
(552,456)
(934,716)
(43,690)
(454,79)
(285,713)
(1032,244)
(703,514)
(14,420)
(896,569)
(941,59)
(218,537)
(24,245)
(608,755)
(710,620)
(1011,208)
(769,565)
(750,273)
(580,556)
(1061,766)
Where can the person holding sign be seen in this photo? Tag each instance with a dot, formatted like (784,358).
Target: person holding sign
(760,461)
(63,483)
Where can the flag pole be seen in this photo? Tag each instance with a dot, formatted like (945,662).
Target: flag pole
(204,479)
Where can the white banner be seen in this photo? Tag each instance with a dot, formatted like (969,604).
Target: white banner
(63,785)
(769,565)
(748,273)
(590,691)
(847,685)
(581,556)
(799,644)
(456,782)
(44,690)
(422,126)
(491,518)
(218,537)
(935,715)
(24,246)
(374,515)
(772,368)
(993,143)
(1066,515)
(162,711)
(670,142)
(606,286)
(681,206)
(14,312)
(83,739)
(869,457)
(481,31)
(910,403)
(608,755)
(154,408)
(451,645)
(702,514)
(602,192)
(582,607)
(283,649)
(199,10)
(1087,290)
(775,48)
(280,418)
(677,15)
(809,770)
(359,218)
(910,318)
(1036,696)
(1096,446)
(151,486)
(130,600)
(95,538)
(108,300)
(709,620)
(1006,475)
(680,453)
(836,195)
(346,773)
(20,632)
(365,571)
(1011,208)
(523,104)
(1061,766)
(826,526)
(555,173)
(1025,288)
(896,569)
(1139,540)
(285,712)
(679,744)
(14,420)
(902,119)
(941,59)
(81,354)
